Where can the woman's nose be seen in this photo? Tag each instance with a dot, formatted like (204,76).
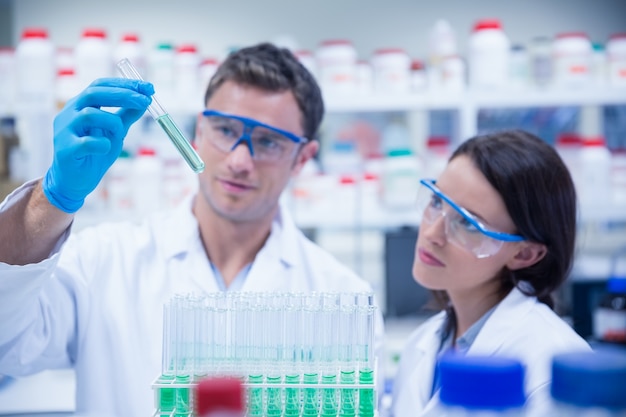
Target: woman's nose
(435,231)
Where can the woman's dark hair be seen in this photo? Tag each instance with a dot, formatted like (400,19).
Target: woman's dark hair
(539,195)
(275,69)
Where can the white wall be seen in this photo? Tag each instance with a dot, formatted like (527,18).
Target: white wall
(214,25)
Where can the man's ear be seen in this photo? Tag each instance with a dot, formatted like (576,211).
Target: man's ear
(528,254)
(308,151)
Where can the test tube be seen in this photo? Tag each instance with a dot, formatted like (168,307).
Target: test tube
(164,120)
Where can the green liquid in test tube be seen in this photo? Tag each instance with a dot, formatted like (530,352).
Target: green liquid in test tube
(183,406)
(348,401)
(311,404)
(255,397)
(167,396)
(366,395)
(164,120)
(274,398)
(292,397)
(329,397)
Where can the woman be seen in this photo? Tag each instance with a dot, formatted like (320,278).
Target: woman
(497,237)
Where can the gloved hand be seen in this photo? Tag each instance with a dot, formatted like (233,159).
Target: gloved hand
(87,140)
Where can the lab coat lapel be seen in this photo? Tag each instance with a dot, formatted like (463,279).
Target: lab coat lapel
(502,323)
(421,377)
(266,274)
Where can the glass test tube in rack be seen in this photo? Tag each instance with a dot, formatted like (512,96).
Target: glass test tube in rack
(297,354)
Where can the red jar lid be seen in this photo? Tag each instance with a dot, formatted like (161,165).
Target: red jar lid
(487,24)
(34,33)
(94,33)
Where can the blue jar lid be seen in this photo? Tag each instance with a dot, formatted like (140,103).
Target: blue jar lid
(481,382)
(616,285)
(590,379)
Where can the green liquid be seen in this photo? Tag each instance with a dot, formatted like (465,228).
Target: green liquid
(329,397)
(167,396)
(274,398)
(181,143)
(311,403)
(292,397)
(182,397)
(366,395)
(255,397)
(348,401)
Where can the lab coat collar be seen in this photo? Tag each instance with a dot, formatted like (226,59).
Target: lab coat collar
(499,327)
(182,233)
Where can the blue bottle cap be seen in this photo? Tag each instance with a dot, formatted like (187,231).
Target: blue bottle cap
(481,382)
(590,379)
(616,285)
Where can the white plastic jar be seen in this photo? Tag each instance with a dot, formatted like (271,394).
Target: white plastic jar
(161,70)
(594,180)
(93,57)
(130,47)
(571,55)
(419,78)
(402,170)
(66,86)
(442,44)
(208,68)
(336,63)
(35,70)
(436,156)
(119,188)
(616,59)
(453,73)
(146,181)
(392,70)
(489,55)
(187,79)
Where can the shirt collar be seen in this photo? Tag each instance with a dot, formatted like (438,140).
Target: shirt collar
(180,233)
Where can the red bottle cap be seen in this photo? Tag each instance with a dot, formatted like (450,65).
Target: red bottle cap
(487,24)
(220,393)
(34,33)
(94,33)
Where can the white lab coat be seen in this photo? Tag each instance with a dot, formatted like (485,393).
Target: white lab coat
(97,304)
(520,327)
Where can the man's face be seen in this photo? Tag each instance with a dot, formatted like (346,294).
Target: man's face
(234,185)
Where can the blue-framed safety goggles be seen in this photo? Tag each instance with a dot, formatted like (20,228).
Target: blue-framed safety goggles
(462,227)
(265,142)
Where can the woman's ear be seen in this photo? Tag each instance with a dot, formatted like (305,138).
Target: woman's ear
(528,254)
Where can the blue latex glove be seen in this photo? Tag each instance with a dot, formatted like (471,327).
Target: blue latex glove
(87,140)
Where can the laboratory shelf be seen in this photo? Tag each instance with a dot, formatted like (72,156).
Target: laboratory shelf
(550,98)
(473,100)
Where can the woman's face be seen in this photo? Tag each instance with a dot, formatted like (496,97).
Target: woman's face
(442,265)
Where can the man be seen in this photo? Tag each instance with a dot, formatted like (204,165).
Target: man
(93,300)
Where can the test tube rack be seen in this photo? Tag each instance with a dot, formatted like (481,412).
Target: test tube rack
(308,355)
(288,396)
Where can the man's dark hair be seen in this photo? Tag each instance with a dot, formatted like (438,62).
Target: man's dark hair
(268,67)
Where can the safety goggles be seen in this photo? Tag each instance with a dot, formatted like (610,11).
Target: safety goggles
(461,227)
(266,143)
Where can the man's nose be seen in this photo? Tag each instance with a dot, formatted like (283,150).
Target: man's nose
(240,157)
